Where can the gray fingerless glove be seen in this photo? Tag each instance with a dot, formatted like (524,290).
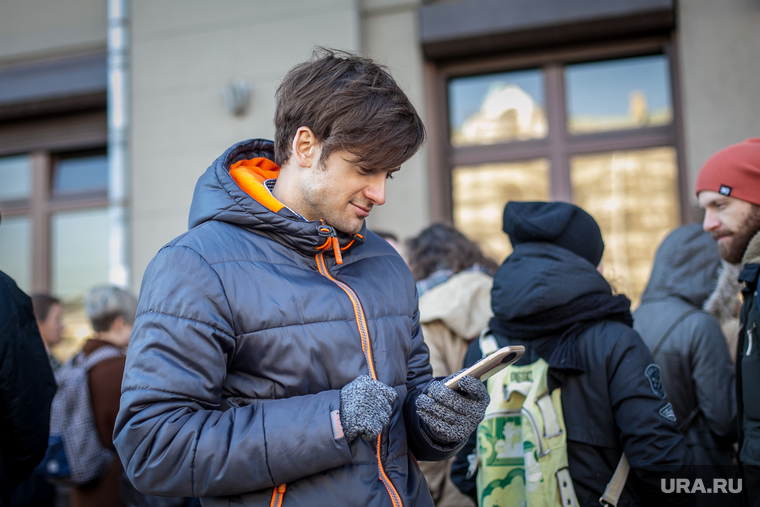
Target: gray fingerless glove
(365,408)
(449,417)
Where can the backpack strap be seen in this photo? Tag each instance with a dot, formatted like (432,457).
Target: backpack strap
(100,354)
(686,423)
(670,330)
(616,485)
(487,343)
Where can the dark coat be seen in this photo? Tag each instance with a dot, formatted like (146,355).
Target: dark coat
(27,387)
(610,408)
(748,362)
(240,349)
(697,371)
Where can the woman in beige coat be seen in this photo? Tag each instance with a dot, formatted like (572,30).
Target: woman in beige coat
(454,281)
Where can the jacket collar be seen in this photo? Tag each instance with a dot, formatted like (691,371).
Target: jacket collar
(752,253)
(219,197)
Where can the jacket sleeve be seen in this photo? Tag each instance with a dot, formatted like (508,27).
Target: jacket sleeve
(651,441)
(171,433)
(713,375)
(419,375)
(27,385)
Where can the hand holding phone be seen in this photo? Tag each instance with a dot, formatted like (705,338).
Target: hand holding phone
(489,366)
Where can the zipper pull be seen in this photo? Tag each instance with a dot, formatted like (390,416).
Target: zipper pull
(329,232)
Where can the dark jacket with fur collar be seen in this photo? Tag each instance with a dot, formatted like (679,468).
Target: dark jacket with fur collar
(748,359)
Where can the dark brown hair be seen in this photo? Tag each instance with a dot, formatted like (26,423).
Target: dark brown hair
(42,303)
(349,103)
(442,246)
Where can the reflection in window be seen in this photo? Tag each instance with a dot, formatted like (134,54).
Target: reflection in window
(633,196)
(15,178)
(81,174)
(481,192)
(79,251)
(16,250)
(618,94)
(497,108)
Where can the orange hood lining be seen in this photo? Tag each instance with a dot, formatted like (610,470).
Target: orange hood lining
(250,176)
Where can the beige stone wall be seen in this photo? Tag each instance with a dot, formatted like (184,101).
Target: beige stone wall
(719,44)
(183,54)
(390,35)
(40,28)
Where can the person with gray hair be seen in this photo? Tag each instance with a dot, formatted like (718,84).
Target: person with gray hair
(111,311)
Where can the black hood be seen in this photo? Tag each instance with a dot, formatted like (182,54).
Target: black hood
(540,276)
(686,266)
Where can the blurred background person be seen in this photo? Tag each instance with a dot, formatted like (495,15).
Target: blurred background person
(454,281)
(27,387)
(549,296)
(688,345)
(48,311)
(111,311)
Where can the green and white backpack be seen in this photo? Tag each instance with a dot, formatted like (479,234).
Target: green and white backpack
(521,453)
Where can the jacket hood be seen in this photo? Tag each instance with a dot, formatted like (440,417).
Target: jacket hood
(686,266)
(462,303)
(218,197)
(541,276)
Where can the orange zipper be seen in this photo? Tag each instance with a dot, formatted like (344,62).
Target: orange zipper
(361,323)
(277,495)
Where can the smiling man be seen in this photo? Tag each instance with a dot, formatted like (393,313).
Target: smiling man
(277,352)
(728,188)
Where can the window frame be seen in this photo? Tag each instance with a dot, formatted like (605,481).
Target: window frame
(42,205)
(559,145)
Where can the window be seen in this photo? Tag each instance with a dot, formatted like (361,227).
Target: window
(595,127)
(53,233)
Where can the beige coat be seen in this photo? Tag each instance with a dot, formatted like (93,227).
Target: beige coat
(452,315)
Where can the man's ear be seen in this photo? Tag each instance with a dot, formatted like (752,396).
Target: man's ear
(305,147)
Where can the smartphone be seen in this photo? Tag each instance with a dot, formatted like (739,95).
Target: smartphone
(489,366)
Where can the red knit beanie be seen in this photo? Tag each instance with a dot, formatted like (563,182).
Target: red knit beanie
(733,171)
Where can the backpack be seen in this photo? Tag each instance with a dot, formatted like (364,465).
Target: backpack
(521,454)
(75,455)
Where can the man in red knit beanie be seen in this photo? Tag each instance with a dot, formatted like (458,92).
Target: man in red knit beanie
(728,188)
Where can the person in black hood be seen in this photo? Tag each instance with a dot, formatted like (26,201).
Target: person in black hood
(549,297)
(688,344)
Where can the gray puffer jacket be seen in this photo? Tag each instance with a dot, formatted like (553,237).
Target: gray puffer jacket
(688,344)
(245,333)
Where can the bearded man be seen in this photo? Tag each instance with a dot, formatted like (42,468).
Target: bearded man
(728,188)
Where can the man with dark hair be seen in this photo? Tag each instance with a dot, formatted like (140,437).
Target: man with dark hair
(728,188)
(290,362)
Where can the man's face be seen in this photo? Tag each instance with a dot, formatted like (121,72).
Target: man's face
(731,221)
(52,327)
(341,192)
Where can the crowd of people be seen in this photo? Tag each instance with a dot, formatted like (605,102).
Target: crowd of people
(305,360)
